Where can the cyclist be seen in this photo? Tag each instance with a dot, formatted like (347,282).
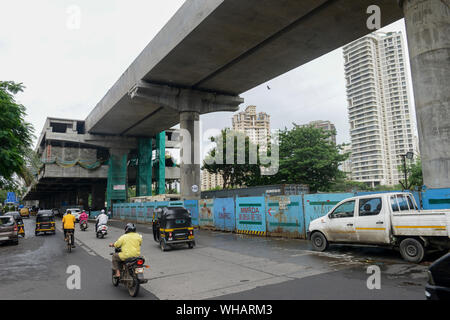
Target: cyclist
(68,224)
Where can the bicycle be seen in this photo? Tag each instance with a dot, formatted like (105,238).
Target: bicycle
(69,240)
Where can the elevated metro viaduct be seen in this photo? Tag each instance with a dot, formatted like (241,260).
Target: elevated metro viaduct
(77,165)
(211,51)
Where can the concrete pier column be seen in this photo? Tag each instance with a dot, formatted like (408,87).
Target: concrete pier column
(98,194)
(70,198)
(190,155)
(428,32)
(83,198)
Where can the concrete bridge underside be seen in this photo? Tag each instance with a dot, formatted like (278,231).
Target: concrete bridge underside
(213,50)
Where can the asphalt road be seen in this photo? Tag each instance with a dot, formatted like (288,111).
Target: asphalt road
(222,266)
(37,269)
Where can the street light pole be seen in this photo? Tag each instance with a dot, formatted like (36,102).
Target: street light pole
(404,170)
(409,155)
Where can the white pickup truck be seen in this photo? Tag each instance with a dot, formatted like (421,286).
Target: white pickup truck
(386,219)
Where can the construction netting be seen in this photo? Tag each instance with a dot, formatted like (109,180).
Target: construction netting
(117,186)
(144,168)
(160,163)
(86,164)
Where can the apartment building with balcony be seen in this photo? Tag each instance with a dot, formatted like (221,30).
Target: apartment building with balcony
(379,107)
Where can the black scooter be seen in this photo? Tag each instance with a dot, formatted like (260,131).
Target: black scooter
(83,225)
(131,274)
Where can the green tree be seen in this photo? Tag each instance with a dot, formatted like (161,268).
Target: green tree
(3,195)
(237,172)
(15,135)
(414,175)
(307,156)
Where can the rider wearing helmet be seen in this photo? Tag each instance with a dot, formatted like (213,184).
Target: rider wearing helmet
(130,245)
(102,219)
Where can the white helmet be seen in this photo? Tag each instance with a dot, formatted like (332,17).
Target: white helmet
(103,211)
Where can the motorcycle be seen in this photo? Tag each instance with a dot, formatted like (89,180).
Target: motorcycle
(83,225)
(102,231)
(131,274)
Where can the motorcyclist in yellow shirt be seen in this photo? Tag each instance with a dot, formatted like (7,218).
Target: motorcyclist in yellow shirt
(130,245)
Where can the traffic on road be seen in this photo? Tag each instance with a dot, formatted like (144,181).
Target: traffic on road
(152,261)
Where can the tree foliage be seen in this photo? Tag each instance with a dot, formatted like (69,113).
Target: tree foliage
(241,170)
(308,156)
(414,175)
(15,135)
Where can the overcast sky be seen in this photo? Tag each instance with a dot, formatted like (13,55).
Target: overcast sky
(68,70)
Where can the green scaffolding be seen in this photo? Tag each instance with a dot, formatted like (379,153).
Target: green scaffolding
(117,187)
(160,163)
(144,168)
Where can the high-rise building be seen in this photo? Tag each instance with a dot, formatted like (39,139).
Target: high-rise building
(211,180)
(326,126)
(346,166)
(255,125)
(379,107)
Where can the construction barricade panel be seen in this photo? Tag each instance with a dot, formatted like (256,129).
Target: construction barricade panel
(251,216)
(192,206)
(206,213)
(436,199)
(284,215)
(224,216)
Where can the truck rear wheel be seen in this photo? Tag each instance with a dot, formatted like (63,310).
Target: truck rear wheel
(319,242)
(412,250)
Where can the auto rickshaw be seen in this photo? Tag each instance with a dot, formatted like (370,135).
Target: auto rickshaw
(172,226)
(45,222)
(25,212)
(19,221)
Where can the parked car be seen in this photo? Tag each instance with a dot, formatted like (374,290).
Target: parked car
(19,221)
(9,230)
(56,212)
(76,212)
(386,219)
(438,286)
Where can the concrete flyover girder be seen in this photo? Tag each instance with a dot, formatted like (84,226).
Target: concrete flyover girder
(94,140)
(229,47)
(149,109)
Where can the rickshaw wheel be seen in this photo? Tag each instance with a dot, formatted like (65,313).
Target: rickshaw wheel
(162,245)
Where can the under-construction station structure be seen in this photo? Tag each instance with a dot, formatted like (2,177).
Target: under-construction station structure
(76,168)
